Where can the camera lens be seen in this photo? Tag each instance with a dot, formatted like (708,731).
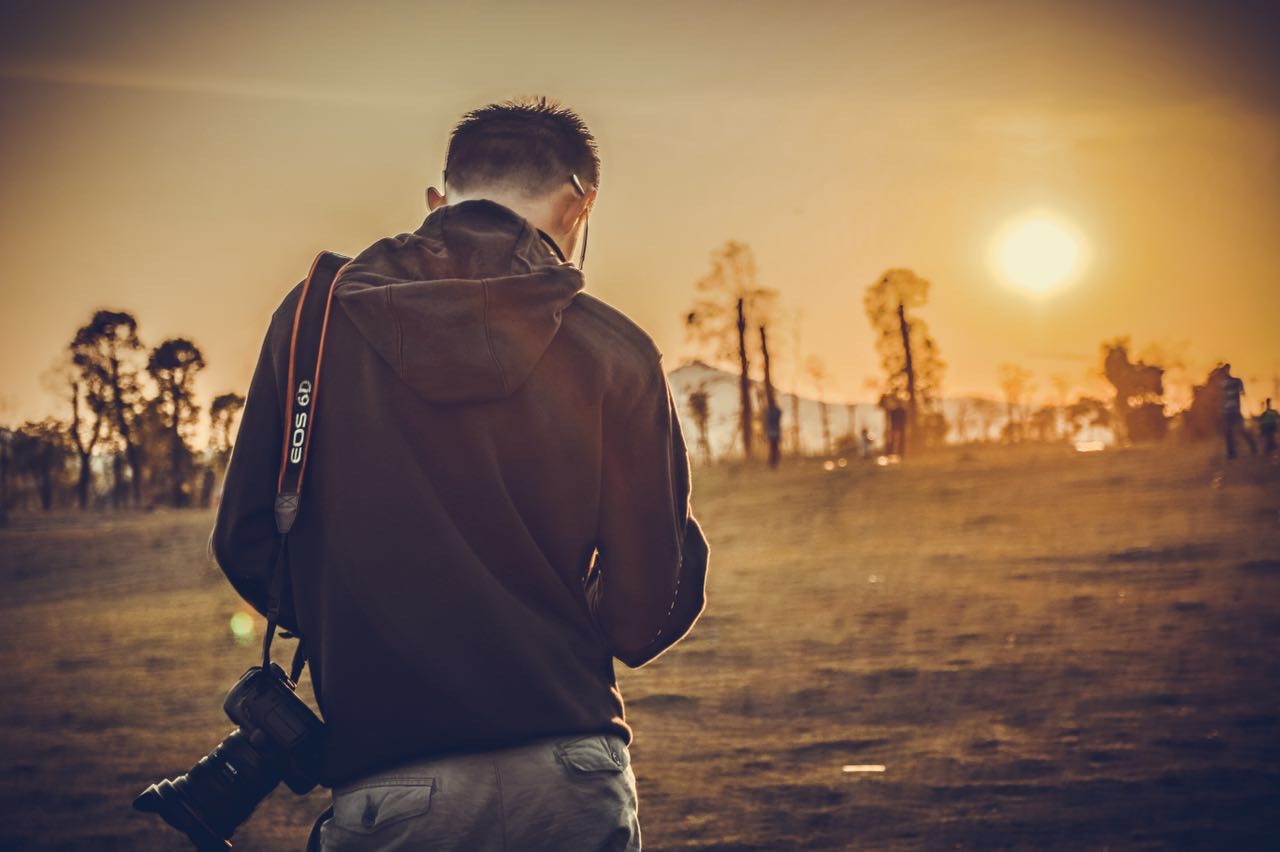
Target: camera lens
(217,794)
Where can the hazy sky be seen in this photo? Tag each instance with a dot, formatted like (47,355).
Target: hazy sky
(186,161)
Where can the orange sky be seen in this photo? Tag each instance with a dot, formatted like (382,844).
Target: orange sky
(186,165)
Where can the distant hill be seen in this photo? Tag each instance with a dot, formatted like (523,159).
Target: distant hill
(722,390)
(845,418)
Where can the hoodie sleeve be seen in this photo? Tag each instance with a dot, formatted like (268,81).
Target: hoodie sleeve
(244,542)
(647,586)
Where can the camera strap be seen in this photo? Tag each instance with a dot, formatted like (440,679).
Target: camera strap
(306,354)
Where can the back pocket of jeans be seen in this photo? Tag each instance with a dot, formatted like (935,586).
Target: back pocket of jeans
(592,754)
(366,808)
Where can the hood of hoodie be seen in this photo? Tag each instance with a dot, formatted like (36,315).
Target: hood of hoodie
(464,307)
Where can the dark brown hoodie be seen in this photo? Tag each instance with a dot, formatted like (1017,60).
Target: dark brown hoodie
(496,503)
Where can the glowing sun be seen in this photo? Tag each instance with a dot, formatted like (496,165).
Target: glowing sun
(1039,253)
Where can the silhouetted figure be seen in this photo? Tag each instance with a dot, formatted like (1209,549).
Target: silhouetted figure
(1268,420)
(497,508)
(866,443)
(1232,418)
(773,433)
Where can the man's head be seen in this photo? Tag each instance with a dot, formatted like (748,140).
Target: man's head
(525,155)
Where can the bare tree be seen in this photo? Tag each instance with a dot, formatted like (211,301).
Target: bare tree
(818,375)
(772,413)
(174,365)
(796,448)
(1015,383)
(908,353)
(729,300)
(963,407)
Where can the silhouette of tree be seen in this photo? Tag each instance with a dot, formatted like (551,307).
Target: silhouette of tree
(908,353)
(818,374)
(39,451)
(103,350)
(963,410)
(794,323)
(851,422)
(1044,423)
(1015,384)
(729,300)
(222,417)
(1087,411)
(89,400)
(772,413)
(987,412)
(174,365)
(1139,399)
(155,440)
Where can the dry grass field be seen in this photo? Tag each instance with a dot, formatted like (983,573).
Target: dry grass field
(1043,649)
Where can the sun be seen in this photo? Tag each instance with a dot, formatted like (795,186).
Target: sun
(1039,253)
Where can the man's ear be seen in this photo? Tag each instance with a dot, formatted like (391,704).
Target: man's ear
(576,209)
(435,199)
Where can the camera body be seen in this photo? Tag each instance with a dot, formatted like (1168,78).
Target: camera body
(278,739)
(265,705)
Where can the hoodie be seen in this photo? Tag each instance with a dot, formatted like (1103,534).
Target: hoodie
(496,502)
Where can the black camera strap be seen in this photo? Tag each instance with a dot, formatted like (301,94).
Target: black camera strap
(306,354)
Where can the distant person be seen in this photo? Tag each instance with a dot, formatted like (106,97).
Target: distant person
(1232,418)
(498,507)
(1267,423)
(866,443)
(773,433)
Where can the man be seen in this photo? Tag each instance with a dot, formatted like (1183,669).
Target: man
(1268,421)
(1232,417)
(497,505)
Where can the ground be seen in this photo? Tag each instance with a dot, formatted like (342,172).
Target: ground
(1043,649)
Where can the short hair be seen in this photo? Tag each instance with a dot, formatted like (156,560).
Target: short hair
(534,144)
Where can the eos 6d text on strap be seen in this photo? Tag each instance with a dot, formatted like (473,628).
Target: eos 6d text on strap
(306,354)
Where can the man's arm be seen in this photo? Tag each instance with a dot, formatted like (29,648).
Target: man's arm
(648,583)
(244,541)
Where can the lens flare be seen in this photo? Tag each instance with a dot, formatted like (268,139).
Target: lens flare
(242,626)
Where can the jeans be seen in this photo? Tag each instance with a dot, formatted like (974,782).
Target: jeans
(561,793)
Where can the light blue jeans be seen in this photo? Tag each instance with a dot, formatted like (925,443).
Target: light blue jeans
(562,793)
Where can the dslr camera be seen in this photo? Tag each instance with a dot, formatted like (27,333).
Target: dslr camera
(278,739)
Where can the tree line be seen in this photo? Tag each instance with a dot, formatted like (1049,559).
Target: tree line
(127,435)
(733,319)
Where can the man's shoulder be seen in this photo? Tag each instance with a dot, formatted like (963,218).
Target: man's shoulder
(611,333)
(283,314)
